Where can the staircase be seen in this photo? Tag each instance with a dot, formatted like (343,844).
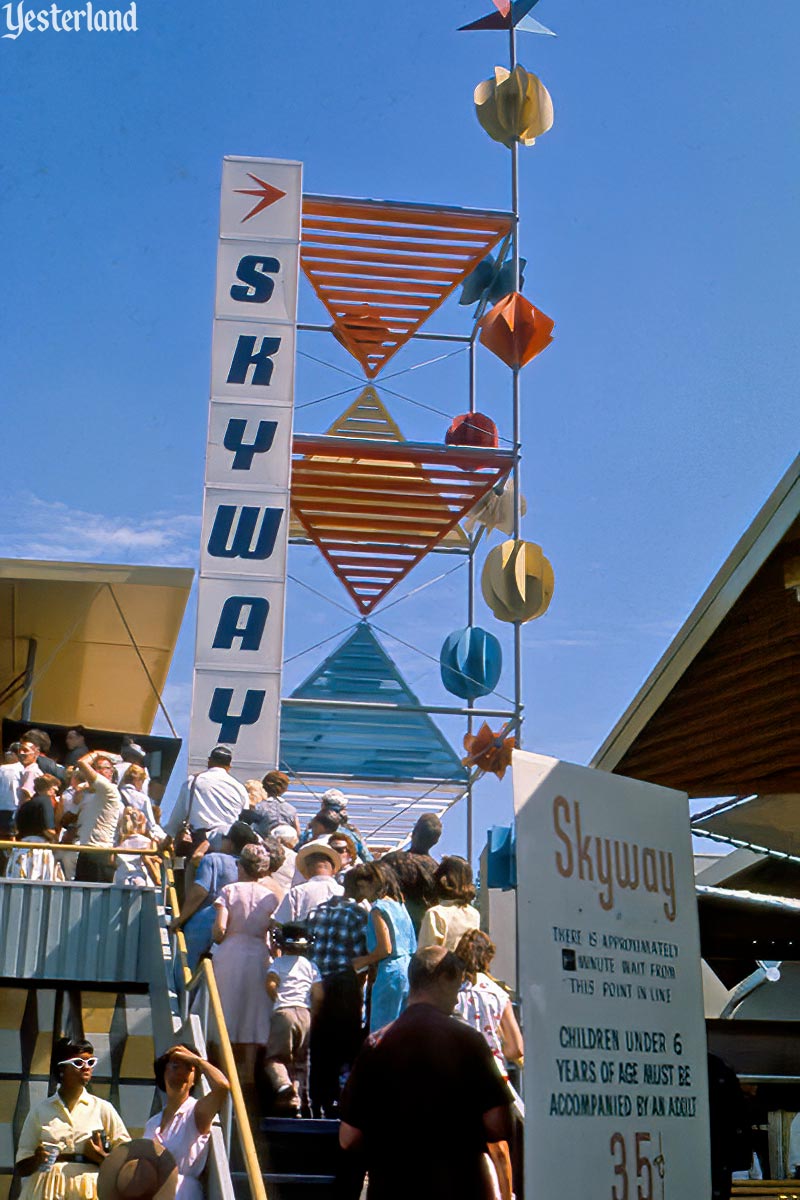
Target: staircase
(302,1161)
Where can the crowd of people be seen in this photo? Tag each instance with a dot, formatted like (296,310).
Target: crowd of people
(316,946)
(94,799)
(312,939)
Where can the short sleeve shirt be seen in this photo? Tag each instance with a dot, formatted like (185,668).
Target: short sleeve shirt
(51,1121)
(296,976)
(214,873)
(10,775)
(424,1081)
(301,900)
(35,816)
(481,1005)
(25,789)
(100,811)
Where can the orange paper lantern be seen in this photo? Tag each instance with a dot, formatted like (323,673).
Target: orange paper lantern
(516,331)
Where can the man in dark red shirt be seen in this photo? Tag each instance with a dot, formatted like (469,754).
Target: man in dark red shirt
(424,1097)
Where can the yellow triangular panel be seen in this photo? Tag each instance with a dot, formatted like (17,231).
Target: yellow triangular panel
(368,417)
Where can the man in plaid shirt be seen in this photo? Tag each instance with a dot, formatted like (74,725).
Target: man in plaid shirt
(338,933)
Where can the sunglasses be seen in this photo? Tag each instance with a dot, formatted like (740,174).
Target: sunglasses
(79,1063)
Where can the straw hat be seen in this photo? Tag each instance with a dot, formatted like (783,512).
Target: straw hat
(138,1170)
(316,847)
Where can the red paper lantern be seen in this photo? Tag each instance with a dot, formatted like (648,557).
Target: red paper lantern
(472,429)
(516,331)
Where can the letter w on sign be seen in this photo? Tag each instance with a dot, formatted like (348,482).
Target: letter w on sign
(227,542)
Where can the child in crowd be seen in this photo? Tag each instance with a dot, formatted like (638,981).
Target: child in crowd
(294,985)
(133,794)
(135,870)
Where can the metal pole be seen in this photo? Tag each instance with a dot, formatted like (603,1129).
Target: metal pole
(516,432)
(471,610)
(27,696)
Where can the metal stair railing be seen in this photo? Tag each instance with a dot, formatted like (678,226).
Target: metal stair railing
(199,994)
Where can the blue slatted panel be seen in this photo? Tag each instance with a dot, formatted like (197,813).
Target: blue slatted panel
(361,744)
(68,931)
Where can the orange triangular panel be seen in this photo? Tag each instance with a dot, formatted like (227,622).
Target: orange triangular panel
(381,268)
(374,509)
(368,418)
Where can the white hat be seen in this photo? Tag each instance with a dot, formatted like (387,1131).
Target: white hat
(284,833)
(317,847)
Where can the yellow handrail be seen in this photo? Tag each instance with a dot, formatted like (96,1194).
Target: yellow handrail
(254,1176)
(205,974)
(180,940)
(75,848)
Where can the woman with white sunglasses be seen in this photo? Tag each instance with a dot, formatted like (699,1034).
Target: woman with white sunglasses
(66,1137)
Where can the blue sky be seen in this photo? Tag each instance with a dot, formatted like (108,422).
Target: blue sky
(659,219)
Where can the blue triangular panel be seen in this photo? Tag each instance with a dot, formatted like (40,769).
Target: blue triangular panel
(399,746)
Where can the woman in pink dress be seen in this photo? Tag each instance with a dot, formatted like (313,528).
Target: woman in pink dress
(241,957)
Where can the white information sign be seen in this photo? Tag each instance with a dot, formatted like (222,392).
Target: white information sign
(616,1092)
(241,595)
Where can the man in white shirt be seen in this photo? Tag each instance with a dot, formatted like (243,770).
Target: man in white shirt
(10,776)
(318,863)
(211,801)
(100,811)
(28,755)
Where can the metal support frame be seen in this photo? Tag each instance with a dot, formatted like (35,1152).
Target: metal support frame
(514,716)
(442,710)
(310,327)
(27,695)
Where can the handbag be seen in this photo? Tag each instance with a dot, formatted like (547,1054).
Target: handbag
(184,842)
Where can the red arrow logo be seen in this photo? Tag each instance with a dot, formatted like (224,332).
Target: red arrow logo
(266,191)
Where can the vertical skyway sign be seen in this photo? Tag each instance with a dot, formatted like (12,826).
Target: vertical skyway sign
(239,647)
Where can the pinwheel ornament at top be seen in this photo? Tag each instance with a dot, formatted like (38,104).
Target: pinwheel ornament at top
(510,16)
(382,268)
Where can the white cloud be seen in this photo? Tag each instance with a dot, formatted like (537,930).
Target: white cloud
(53,530)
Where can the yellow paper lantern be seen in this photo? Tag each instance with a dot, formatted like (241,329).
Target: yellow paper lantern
(515,106)
(517,581)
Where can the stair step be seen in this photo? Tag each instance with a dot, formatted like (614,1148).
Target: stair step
(300,1125)
(316,1179)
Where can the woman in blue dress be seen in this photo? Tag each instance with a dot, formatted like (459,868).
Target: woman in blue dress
(391,941)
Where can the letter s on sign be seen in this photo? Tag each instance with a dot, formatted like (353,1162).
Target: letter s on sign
(254,271)
(564,864)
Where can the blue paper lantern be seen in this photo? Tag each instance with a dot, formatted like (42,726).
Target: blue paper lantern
(471,661)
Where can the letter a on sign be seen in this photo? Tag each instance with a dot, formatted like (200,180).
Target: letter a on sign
(253,629)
